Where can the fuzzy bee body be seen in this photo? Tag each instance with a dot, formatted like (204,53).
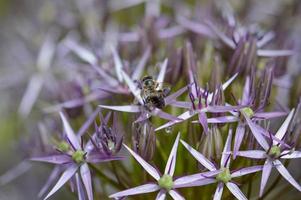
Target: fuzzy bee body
(153,93)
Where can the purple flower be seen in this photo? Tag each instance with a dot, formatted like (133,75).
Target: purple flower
(273,153)
(73,157)
(164,183)
(223,176)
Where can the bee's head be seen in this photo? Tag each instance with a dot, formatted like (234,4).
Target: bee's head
(148,82)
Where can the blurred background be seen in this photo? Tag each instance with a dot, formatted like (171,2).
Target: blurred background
(29,75)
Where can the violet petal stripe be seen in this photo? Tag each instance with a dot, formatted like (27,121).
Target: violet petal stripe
(161,195)
(256,133)
(142,63)
(150,169)
(256,154)
(283,129)
(239,135)
(266,171)
(147,188)
(186,180)
(222,109)
(70,171)
(164,115)
(246,92)
(219,191)
(221,120)
(117,63)
(184,116)
(86,177)
(291,155)
(175,95)
(268,115)
(70,133)
(203,121)
(283,171)
(171,162)
(175,195)
(200,157)
(127,108)
(274,53)
(225,162)
(54,159)
(80,188)
(132,86)
(87,124)
(162,72)
(51,178)
(234,189)
(245,171)
(200,182)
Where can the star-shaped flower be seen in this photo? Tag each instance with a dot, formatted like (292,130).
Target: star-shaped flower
(273,153)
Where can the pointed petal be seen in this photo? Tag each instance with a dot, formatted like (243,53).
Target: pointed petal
(184,116)
(195,27)
(257,154)
(218,120)
(245,171)
(171,162)
(127,108)
(175,95)
(239,135)
(266,171)
(150,169)
(274,53)
(234,189)
(162,72)
(81,52)
(52,177)
(80,188)
(265,39)
(86,177)
(283,129)
(199,182)
(99,158)
(142,63)
(219,191)
(54,159)
(283,171)
(246,92)
(222,109)
(291,155)
(225,162)
(63,179)
(88,123)
(200,157)
(160,113)
(268,115)
(256,133)
(203,121)
(117,63)
(185,181)
(175,195)
(132,86)
(147,188)
(70,133)
(161,195)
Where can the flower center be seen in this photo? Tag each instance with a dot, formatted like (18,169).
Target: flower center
(275,151)
(111,145)
(166,182)
(78,156)
(63,146)
(248,111)
(224,176)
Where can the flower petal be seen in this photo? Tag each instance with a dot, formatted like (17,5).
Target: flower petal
(266,171)
(147,188)
(86,177)
(127,108)
(117,63)
(162,72)
(161,195)
(239,135)
(203,121)
(200,157)
(283,129)
(219,191)
(132,86)
(291,155)
(200,182)
(81,52)
(175,195)
(150,169)
(257,154)
(175,95)
(283,171)
(224,119)
(80,188)
(142,63)
(54,159)
(87,124)
(70,133)
(234,189)
(274,53)
(171,162)
(70,171)
(160,113)
(268,115)
(225,161)
(53,176)
(185,181)
(245,171)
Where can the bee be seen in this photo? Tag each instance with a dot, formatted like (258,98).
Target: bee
(153,92)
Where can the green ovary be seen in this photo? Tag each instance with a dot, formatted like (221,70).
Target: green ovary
(248,111)
(166,182)
(63,146)
(275,151)
(78,156)
(224,176)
